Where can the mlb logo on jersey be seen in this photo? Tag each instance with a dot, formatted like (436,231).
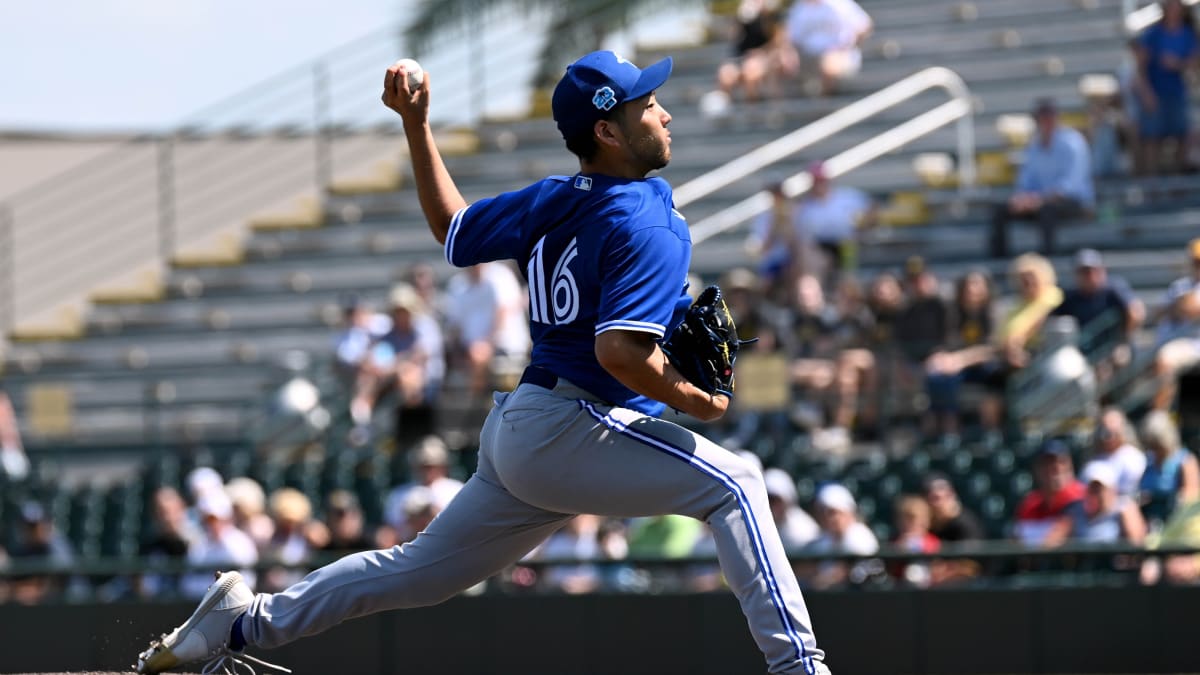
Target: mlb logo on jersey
(605,98)
(583,183)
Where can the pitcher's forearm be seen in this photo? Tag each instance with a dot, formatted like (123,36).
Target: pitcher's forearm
(439,196)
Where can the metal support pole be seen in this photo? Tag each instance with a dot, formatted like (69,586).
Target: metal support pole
(8,273)
(166,198)
(323,170)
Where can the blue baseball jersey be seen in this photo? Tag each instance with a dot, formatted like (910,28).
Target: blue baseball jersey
(599,253)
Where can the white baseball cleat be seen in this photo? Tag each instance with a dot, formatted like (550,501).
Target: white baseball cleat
(205,635)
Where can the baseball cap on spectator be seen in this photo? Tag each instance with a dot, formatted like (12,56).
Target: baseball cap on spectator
(341,501)
(404,296)
(936,479)
(1053,448)
(596,84)
(33,513)
(430,451)
(739,278)
(289,505)
(215,503)
(418,499)
(204,479)
(1044,106)
(246,494)
(1088,257)
(1100,472)
(779,484)
(836,497)
(817,170)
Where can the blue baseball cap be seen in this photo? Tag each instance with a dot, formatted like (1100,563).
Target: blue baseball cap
(597,83)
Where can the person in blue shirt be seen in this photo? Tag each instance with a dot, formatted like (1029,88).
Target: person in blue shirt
(1165,52)
(1054,185)
(605,255)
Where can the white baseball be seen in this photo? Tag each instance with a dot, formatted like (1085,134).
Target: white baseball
(416,74)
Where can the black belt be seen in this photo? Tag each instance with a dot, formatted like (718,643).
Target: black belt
(539,377)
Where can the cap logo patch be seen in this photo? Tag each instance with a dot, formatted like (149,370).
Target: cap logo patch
(605,98)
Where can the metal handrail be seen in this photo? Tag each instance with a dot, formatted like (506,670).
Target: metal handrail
(959,110)
(1138,19)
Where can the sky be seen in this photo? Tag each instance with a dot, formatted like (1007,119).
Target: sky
(149,65)
(118,65)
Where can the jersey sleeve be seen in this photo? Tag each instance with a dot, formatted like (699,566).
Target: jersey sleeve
(642,280)
(490,229)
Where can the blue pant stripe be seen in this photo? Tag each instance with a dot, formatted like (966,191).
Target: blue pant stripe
(743,502)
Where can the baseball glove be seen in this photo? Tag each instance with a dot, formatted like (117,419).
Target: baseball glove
(705,344)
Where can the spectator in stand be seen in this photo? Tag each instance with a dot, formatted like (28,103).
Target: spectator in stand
(1106,312)
(923,329)
(781,247)
(885,303)
(1166,52)
(485,310)
(361,327)
(1129,93)
(1113,445)
(1172,475)
(406,360)
(296,537)
(418,509)
(832,215)
(345,525)
(924,324)
(250,510)
(1017,336)
(828,34)
(429,466)
(1102,516)
(824,366)
(950,521)
(424,281)
(1054,185)
(762,54)
(755,318)
(841,533)
(171,535)
(913,536)
(796,528)
(14,465)
(39,539)
(1055,489)
(1182,530)
(577,540)
(1178,336)
(970,329)
(222,545)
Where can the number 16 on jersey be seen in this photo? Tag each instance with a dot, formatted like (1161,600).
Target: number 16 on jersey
(553,299)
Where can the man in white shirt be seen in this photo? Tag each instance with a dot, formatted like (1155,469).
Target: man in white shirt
(1113,448)
(841,533)
(827,33)
(429,462)
(831,214)
(223,545)
(486,310)
(796,527)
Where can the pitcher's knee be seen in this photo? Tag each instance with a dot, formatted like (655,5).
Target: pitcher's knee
(746,473)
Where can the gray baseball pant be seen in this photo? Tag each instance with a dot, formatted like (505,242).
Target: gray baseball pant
(544,456)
